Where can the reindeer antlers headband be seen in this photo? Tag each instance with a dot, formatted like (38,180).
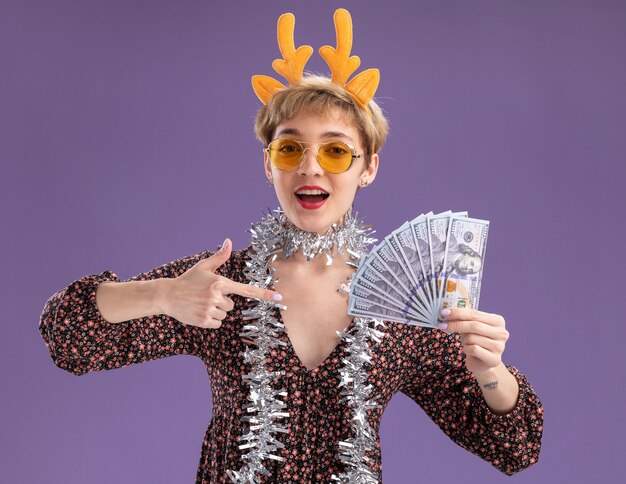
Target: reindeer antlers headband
(361,87)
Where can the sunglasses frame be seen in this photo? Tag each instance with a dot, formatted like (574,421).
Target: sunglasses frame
(304,148)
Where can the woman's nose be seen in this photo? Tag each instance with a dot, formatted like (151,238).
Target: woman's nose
(309,164)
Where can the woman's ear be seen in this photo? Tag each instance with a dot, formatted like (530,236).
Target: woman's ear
(370,170)
(267,165)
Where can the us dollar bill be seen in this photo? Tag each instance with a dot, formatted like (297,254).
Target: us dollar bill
(360,307)
(419,225)
(373,277)
(372,280)
(378,274)
(405,245)
(437,237)
(464,260)
(391,259)
(380,293)
(386,261)
(377,304)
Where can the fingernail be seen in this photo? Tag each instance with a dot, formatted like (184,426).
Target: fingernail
(445,312)
(222,248)
(442,325)
(278,297)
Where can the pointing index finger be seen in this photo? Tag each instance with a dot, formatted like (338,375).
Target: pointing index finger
(248,290)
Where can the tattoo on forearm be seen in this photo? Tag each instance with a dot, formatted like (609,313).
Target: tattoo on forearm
(491,385)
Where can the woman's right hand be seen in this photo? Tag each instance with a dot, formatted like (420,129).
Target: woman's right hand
(198,297)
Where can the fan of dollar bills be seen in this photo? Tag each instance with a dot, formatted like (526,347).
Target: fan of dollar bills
(432,262)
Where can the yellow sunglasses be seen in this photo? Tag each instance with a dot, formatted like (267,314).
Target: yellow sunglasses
(333,156)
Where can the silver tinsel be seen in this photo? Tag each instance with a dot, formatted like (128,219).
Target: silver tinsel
(272,234)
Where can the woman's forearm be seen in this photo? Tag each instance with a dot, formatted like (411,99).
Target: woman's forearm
(500,389)
(121,301)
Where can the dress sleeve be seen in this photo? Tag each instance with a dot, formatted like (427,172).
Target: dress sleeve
(80,340)
(450,395)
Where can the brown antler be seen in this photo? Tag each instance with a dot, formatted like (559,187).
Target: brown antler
(363,85)
(292,67)
(338,59)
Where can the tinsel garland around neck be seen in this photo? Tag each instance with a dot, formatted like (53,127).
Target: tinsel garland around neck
(272,234)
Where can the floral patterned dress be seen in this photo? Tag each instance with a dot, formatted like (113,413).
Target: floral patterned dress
(424,363)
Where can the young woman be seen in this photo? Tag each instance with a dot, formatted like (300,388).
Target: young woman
(286,405)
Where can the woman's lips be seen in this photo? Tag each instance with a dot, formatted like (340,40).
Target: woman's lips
(309,205)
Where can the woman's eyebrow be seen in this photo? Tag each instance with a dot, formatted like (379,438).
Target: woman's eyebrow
(336,134)
(288,131)
(327,134)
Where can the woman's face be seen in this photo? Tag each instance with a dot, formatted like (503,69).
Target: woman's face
(341,187)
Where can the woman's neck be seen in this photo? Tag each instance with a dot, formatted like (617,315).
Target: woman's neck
(318,263)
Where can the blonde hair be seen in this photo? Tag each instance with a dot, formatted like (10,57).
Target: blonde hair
(318,94)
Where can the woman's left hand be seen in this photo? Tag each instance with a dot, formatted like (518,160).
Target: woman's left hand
(483,336)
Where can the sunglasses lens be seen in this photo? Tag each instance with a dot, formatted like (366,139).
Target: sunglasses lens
(335,157)
(285,154)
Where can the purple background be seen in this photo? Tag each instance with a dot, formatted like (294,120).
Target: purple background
(127,142)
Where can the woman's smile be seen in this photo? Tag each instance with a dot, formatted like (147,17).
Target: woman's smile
(311,197)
